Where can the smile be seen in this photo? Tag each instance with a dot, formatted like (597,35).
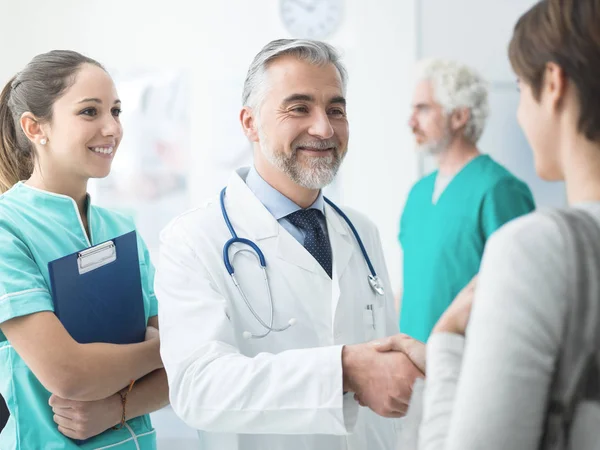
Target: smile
(316,150)
(103,150)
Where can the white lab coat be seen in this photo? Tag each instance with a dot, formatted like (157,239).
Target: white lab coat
(283,392)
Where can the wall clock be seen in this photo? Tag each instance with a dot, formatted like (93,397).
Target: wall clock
(312,19)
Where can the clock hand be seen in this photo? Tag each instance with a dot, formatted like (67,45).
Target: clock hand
(304,6)
(313,4)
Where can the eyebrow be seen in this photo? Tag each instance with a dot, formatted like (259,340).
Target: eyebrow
(338,99)
(309,98)
(97,100)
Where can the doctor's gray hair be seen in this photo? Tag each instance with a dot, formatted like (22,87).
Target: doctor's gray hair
(314,52)
(457,86)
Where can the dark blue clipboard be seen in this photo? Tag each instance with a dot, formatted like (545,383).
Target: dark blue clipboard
(97,293)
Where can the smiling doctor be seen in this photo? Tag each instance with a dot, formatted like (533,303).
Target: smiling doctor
(270,294)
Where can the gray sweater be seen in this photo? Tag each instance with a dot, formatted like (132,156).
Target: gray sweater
(489,391)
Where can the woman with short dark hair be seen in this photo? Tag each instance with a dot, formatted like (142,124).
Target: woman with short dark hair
(518,381)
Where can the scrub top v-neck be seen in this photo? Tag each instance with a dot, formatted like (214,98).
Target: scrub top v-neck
(443,240)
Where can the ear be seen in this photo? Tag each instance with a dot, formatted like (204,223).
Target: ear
(459,119)
(249,125)
(555,84)
(32,128)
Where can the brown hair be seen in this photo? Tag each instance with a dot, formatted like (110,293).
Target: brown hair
(566,32)
(34,89)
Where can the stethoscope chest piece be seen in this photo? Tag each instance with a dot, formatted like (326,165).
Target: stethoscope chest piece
(376,285)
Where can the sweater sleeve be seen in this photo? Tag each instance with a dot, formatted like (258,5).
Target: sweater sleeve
(490,390)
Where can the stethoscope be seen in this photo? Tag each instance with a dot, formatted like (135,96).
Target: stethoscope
(374,280)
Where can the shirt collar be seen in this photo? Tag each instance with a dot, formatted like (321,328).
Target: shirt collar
(276,203)
(47,196)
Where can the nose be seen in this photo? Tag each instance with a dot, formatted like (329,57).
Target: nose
(321,126)
(412,121)
(111,126)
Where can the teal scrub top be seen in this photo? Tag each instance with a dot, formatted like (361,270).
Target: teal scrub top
(443,243)
(37,227)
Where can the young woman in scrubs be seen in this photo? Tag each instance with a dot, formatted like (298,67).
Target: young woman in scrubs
(59,127)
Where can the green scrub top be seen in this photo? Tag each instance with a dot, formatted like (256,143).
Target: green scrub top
(443,243)
(37,227)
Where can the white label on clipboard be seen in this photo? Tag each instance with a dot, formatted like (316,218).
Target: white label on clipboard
(96,257)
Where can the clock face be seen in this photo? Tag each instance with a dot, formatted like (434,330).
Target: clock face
(313,19)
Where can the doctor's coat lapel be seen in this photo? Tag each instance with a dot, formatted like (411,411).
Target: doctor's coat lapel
(342,247)
(247,213)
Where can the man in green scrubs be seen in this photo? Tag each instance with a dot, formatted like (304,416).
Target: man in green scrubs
(450,213)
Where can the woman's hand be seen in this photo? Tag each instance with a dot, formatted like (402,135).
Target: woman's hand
(456,317)
(83,420)
(151,333)
(415,350)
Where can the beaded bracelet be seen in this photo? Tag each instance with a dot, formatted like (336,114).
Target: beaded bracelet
(123,395)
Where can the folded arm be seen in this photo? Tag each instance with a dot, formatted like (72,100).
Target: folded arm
(77,371)
(84,419)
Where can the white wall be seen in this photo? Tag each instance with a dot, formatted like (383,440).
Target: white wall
(478,32)
(473,31)
(216,42)
(382,165)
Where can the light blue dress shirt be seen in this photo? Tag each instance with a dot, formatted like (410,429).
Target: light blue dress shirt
(280,206)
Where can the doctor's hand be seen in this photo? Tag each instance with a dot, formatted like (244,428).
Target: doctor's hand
(456,317)
(412,348)
(83,420)
(380,380)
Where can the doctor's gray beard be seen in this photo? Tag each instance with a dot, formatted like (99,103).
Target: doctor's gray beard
(439,146)
(320,171)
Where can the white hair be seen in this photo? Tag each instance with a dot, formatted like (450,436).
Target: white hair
(314,52)
(457,86)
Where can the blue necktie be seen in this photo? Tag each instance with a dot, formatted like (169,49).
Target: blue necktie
(315,239)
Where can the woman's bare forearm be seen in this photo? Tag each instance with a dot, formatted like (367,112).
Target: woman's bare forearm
(149,394)
(103,369)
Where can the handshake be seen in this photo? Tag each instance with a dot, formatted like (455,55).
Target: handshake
(381,373)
